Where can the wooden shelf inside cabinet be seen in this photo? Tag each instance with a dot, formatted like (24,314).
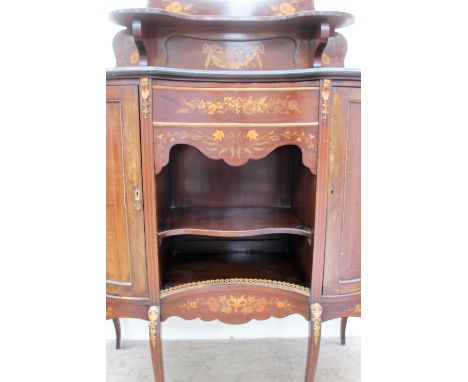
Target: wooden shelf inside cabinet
(191,268)
(232,222)
(162,18)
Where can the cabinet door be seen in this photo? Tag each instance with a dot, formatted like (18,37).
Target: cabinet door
(343,234)
(125,241)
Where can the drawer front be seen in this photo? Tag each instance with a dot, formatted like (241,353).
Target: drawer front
(281,103)
(236,123)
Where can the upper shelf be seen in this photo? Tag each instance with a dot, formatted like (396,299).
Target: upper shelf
(163,18)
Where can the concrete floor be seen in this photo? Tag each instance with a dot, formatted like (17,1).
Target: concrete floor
(266,360)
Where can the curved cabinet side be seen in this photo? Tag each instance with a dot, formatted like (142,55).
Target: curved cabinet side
(342,271)
(125,241)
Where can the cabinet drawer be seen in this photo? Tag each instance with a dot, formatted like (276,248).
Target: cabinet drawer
(231,103)
(235,123)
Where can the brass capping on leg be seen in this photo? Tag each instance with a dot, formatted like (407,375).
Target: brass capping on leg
(153,315)
(316,310)
(145,92)
(325,97)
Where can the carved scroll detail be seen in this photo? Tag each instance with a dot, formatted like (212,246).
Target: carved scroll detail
(145,92)
(325,97)
(153,315)
(316,310)
(324,36)
(137,32)
(233,58)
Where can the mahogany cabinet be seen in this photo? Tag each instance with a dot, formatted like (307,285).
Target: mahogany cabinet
(233,167)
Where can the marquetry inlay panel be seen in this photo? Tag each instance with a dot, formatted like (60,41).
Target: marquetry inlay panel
(234,104)
(236,145)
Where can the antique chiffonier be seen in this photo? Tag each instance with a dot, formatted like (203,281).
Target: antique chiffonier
(233,166)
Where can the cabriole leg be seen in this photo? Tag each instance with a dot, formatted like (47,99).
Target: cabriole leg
(117,332)
(154,317)
(314,341)
(344,321)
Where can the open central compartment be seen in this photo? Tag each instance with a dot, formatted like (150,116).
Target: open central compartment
(218,221)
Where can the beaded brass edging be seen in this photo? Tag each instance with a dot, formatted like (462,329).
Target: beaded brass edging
(249,282)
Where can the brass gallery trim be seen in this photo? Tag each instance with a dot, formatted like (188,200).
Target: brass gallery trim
(167,87)
(235,124)
(247,282)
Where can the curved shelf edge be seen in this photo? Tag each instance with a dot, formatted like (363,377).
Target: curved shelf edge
(125,17)
(231,233)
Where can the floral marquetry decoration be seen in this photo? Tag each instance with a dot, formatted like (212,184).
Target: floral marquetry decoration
(236,146)
(276,105)
(286,7)
(237,304)
(218,135)
(177,7)
(233,58)
(252,135)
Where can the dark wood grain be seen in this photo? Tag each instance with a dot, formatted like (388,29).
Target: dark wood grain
(137,32)
(233,76)
(126,268)
(251,8)
(187,268)
(163,18)
(344,321)
(342,274)
(149,196)
(118,333)
(324,33)
(247,165)
(235,304)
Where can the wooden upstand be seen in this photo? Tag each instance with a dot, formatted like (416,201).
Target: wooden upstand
(233,167)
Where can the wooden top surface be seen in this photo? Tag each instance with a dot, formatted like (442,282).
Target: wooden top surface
(234,7)
(232,76)
(160,17)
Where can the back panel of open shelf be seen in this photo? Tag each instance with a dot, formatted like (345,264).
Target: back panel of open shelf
(213,216)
